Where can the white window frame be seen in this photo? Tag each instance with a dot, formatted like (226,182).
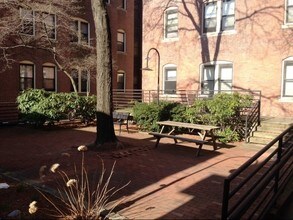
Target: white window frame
(124,6)
(79,80)
(33,20)
(288,4)
(79,37)
(120,31)
(166,13)
(165,70)
(218,65)
(283,86)
(34,74)
(219,17)
(124,80)
(55,75)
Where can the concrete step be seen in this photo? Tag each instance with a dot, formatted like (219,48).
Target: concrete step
(260,140)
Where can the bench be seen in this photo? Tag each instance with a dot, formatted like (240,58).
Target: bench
(121,118)
(160,135)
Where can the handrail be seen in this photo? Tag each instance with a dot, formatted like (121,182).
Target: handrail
(252,119)
(259,192)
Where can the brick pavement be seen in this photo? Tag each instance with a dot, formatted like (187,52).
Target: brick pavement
(166,183)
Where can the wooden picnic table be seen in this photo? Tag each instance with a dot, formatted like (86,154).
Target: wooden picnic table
(204,129)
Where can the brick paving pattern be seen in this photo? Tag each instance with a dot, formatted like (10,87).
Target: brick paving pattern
(168,182)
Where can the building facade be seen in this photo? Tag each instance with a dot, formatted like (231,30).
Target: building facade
(222,45)
(37,68)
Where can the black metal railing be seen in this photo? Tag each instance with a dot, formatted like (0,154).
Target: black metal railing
(252,189)
(252,119)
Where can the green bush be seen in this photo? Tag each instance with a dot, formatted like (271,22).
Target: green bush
(222,110)
(146,115)
(38,106)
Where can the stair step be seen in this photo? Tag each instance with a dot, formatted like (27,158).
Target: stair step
(268,135)
(260,140)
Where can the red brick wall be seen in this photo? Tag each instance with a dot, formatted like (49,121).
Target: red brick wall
(256,48)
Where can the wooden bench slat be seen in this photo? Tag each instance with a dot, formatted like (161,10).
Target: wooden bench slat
(160,135)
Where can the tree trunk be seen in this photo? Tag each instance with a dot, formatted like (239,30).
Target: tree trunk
(105,127)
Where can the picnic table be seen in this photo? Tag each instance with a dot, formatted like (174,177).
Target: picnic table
(202,130)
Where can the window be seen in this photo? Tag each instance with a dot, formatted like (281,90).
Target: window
(121,41)
(80,32)
(49,25)
(216,77)
(49,76)
(170,79)
(27,21)
(26,73)
(289,11)
(122,4)
(81,79)
(219,16)
(171,23)
(121,80)
(288,78)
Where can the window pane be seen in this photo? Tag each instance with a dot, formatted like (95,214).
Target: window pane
(49,21)
(225,85)
(120,81)
(84,32)
(290,14)
(228,8)
(290,2)
(26,76)
(228,22)
(226,73)
(121,41)
(289,71)
(288,89)
(49,72)
(84,81)
(170,80)
(27,22)
(211,10)
(209,73)
(171,25)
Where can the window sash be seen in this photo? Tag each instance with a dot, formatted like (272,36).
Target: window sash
(170,81)
(171,24)
(288,79)
(121,41)
(26,75)
(50,25)
(289,16)
(27,21)
(121,81)
(84,32)
(49,78)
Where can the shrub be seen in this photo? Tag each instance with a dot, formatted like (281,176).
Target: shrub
(38,106)
(146,115)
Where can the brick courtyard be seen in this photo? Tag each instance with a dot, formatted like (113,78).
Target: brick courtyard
(167,182)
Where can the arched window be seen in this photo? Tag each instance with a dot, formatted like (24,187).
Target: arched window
(26,75)
(121,40)
(216,76)
(121,80)
(170,78)
(171,23)
(49,77)
(287,84)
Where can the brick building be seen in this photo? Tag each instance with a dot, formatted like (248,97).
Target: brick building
(33,68)
(222,45)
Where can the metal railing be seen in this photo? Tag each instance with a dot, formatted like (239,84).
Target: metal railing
(252,189)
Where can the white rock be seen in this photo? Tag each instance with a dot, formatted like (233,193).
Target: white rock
(4,186)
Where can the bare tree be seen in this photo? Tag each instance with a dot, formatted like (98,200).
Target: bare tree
(31,25)
(105,128)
